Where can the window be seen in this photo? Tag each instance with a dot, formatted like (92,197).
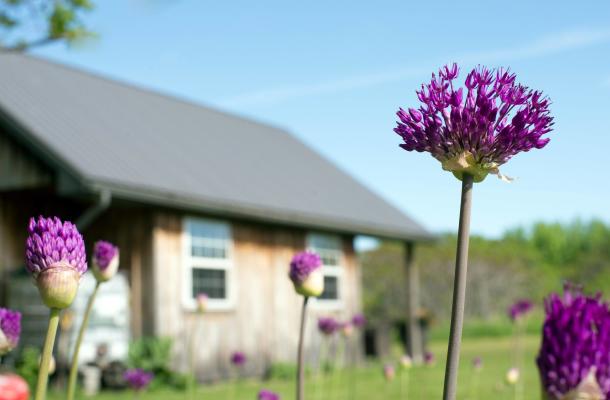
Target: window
(208,262)
(329,247)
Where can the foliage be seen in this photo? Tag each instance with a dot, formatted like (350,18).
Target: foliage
(154,354)
(27,365)
(30,23)
(523,263)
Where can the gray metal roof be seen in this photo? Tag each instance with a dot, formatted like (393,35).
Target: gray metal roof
(153,148)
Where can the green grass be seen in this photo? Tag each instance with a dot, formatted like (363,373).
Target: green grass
(425,382)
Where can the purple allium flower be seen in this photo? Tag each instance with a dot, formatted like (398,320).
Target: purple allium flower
(10,329)
(389,373)
(202,302)
(328,325)
(520,309)
(429,358)
(477,363)
(55,256)
(138,379)
(105,261)
(238,359)
(477,129)
(358,320)
(265,394)
(306,274)
(575,351)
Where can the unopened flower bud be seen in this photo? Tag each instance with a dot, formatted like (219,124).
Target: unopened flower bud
(306,274)
(105,260)
(512,376)
(10,329)
(58,285)
(202,303)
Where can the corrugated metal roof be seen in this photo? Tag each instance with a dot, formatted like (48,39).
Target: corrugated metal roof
(154,148)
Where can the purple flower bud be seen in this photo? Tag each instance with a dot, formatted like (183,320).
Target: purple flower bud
(306,274)
(389,373)
(55,257)
(327,325)
(429,358)
(202,303)
(265,394)
(238,358)
(358,320)
(477,363)
(10,329)
(105,262)
(138,379)
(520,309)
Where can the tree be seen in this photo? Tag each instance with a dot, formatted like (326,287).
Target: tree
(30,23)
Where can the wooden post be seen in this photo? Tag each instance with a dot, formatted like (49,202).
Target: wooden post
(414,334)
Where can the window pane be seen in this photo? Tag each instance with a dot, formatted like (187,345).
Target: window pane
(331,288)
(211,282)
(328,247)
(209,239)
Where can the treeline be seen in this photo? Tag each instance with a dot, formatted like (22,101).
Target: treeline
(526,262)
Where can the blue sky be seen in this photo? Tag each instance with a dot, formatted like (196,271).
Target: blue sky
(334,73)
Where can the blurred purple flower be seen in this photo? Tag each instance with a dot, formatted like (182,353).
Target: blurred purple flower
(574,357)
(389,373)
(358,320)
(328,325)
(52,242)
(429,358)
(477,363)
(302,265)
(265,394)
(477,129)
(520,309)
(138,379)
(238,359)
(10,329)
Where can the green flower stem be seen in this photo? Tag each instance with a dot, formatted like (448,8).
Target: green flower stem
(79,341)
(192,382)
(459,291)
(47,353)
(300,366)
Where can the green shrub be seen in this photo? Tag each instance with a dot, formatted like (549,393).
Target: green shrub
(27,365)
(154,354)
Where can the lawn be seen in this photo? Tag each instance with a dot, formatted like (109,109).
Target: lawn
(425,382)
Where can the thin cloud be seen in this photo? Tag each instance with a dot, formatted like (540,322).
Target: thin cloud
(539,47)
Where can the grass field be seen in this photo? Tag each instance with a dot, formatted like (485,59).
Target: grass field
(424,382)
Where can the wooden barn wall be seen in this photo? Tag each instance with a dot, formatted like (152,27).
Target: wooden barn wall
(18,169)
(264,322)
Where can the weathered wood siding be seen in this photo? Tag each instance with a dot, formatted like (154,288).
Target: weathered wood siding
(18,169)
(264,322)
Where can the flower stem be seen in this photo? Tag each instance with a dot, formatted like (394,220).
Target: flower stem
(459,291)
(300,366)
(79,340)
(47,353)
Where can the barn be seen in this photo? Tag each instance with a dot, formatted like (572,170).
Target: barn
(198,201)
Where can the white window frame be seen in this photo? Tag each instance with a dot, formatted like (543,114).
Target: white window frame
(190,262)
(336,271)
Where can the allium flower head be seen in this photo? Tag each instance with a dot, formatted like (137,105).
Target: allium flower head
(574,357)
(478,128)
(358,320)
(512,376)
(306,274)
(265,394)
(347,329)
(10,329)
(328,325)
(138,379)
(406,362)
(55,257)
(105,261)
(202,303)
(520,309)
(429,358)
(389,373)
(238,358)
